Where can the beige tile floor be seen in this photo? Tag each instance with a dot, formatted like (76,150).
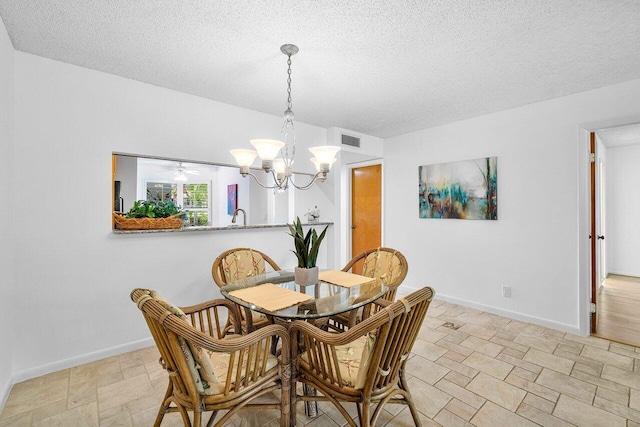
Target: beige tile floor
(468,368)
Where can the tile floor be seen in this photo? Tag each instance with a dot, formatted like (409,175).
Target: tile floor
(468,368)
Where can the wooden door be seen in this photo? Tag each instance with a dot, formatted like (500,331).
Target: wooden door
(366,210)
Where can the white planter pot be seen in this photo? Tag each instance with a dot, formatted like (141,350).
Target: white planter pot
(306,276)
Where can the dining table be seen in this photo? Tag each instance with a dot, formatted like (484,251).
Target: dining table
(277,295)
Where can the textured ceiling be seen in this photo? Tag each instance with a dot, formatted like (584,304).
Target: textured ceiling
(381,67)
(620,136)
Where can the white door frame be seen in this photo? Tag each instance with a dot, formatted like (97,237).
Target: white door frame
(584,254)
(344,191)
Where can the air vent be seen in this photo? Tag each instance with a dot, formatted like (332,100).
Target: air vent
(350,140)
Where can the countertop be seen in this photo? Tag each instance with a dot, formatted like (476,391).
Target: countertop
(206,228)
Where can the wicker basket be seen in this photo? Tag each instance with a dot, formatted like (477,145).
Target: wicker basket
(123,223)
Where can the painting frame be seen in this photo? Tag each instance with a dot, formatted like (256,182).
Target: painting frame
(465,189)
(232,198)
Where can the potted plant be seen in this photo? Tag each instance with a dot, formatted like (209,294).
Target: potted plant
(306,250)
(147,214)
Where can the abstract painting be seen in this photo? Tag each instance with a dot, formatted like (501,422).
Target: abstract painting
(466,189)
(232,198)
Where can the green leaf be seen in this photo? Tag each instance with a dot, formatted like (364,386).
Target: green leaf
(315,247)
(306,247)
(150,209)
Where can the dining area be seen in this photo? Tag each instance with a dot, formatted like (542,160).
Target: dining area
(278,343)
(383,363)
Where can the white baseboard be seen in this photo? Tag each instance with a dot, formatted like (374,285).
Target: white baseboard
(4,393)
(405,290)
(71,362)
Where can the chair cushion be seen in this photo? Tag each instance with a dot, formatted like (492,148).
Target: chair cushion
(208,369)
(220,364)
(170,307)
(382,265)
(205,370)
(242,264)
(353,360)
(201,386)
(257,318)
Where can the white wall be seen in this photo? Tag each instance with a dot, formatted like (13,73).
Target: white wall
(534,246)
(371,149)
(7,314)
(75,275)
(319,195)
(601,211)
(127,174)
(623,205)
(259,213)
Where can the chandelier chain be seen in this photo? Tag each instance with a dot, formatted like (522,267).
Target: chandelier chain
(289,83)
(288,122)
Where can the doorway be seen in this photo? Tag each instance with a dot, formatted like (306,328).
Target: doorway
(615,233)
(366,210)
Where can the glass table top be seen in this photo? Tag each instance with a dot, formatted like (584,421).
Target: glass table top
(326,299)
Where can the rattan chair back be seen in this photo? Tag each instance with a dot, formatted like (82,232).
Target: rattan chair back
(225,268)
(239,263)
(247,375)
(394,330)
(386,264)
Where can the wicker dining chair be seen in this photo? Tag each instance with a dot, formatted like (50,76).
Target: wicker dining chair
(364,365)
(386,264)
(209,371)
(241,263)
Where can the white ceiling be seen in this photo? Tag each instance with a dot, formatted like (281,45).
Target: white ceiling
(380,67)
(620,136)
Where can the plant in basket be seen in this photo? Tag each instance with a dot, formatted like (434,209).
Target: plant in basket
(151,209)
(306,250)
(147,214)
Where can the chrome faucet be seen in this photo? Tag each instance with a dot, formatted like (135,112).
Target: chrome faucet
(235,216)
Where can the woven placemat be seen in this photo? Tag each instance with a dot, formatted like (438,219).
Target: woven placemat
(342,278)
(270,297)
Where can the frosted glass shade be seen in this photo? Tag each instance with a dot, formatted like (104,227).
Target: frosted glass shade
(267,148)
(325,153)
(278,165)
(180,176)
(244,157)
(318,163)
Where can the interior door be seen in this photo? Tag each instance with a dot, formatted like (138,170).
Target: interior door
(593,232)
(366,210)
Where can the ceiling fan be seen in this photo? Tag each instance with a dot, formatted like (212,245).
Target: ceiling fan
(180,172)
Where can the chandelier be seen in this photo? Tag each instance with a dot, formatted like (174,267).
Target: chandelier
(277,156)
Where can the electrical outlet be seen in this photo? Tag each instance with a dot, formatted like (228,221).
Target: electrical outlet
(506,291)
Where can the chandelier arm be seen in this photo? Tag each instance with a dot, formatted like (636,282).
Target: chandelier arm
(281,180)
(259,183)
(320,175)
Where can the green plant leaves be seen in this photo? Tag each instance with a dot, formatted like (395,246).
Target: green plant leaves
(150,209)
(306,247)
